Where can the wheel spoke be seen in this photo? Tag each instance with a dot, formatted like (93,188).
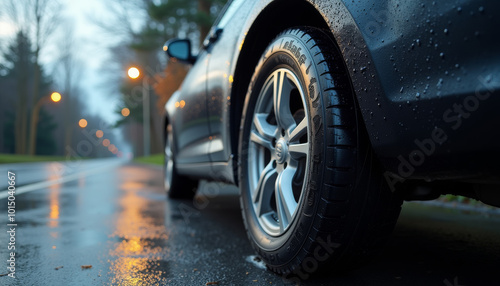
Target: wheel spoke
(299,131)
(285,201)
(281,100)
(264,190)
(265,129)
(264,132)
(258,139)
(298,151)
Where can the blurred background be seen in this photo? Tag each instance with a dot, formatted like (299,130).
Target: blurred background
(86,79)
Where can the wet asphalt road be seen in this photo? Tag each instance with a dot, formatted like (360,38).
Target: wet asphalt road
(116,220)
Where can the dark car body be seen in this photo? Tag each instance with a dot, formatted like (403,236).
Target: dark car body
(426,75)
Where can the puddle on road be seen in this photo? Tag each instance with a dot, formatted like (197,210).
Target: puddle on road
(139,255)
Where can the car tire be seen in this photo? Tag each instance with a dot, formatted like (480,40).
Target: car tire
(176,186)
(311,191)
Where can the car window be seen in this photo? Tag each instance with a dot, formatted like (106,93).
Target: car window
(231,7)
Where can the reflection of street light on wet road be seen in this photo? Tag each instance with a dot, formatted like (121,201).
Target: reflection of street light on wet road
(54,97)
(134,73)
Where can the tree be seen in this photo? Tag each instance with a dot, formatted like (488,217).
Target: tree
(37,19)
(191,18)
(69,73)
(44,137)
(9,143)
(19,60)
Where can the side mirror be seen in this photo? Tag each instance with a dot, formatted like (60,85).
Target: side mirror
(179,49)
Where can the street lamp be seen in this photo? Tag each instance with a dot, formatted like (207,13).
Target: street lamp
(125,112)
(99,134)
(134,73)
(54,97)
(82,123)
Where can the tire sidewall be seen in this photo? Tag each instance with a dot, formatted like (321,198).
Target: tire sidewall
(289,51)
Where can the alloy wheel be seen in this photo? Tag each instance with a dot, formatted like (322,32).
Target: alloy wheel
(278,151)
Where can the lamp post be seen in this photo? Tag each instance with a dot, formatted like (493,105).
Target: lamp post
(134,73)
(55,97)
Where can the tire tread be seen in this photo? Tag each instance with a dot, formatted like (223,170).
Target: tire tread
(339,196)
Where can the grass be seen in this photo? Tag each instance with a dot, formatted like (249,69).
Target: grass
(156,159)
(15,158)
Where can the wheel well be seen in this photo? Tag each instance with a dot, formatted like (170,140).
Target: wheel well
(275,18)
(165,124)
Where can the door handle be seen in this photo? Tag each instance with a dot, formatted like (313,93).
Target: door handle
(213,36)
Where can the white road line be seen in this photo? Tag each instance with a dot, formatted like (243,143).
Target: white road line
(37,186)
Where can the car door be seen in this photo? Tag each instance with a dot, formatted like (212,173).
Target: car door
(222,44)
(190,120)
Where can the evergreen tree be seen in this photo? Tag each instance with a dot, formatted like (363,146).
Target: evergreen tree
(18,66)
(45,141)
(185,17)
(19,63)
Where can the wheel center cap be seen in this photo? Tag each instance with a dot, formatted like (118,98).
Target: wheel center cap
(281,151)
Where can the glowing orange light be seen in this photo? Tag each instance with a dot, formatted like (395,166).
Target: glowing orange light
(82,123)
(99,134)
(177,104)
(133,72)
(105,142)
(125,112)
(111,147)
(55,96)
(182,103)
(241,44)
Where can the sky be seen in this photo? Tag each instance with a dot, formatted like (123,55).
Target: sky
(92,54)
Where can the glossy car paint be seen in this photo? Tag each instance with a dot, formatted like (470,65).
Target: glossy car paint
(220,77)
(411,65)
(190,121)
(427,57)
